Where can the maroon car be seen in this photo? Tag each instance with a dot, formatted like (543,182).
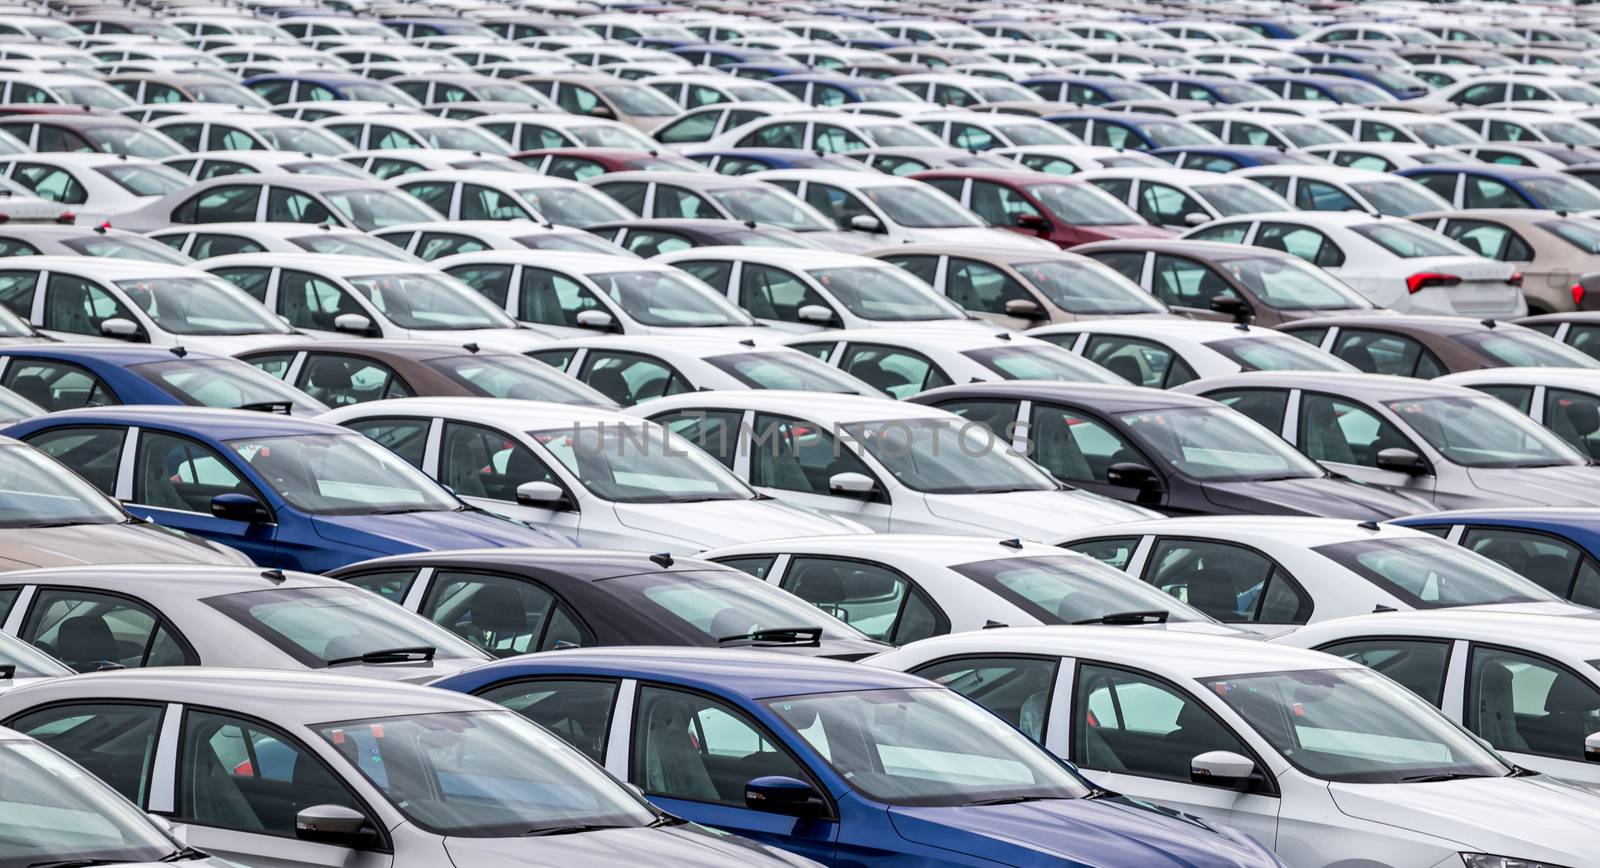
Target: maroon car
(581,163)
(1063,210)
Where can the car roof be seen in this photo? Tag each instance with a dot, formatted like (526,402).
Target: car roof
(104,267)
(799,258)
(1574,634)
(589,565)
(567,260)
(1380,387)
(328,263)
(511,413)
(1009,255)
(115,354)
(218,423)
(1416,323)
(204,580)
(1108,397)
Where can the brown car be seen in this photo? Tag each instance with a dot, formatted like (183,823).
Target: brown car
(352,372)
(1022,288)
(1430,346)
(1551,250)
(1578,329)
(1212,280)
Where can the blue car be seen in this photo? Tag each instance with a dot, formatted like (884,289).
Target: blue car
(288,492)
(1207,88)
(66,377)
(1556,547)
(1399,84)
(1226,158)
(1491,185)
(831,88)
(1324,88)
(764,70)
(1131,130)
(838,762)
(1088,89)
(1273,28)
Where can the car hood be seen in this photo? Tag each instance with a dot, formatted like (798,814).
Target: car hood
(128,543)
(1084,832)
(688,845)
(714,523)
(1554,821)
(1325,497)
(430,531)
(1038,515)
(1540,486)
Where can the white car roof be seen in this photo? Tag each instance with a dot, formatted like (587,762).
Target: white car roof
(1580,379)
(74,159)
(1266,531)
(1568,635)
(559,260)
(797,258)
(510,413)
(327,263)
(1181,329)
(514,180)
(1344,174)
(943,550)
(106,268)
(957,337)
(837,177)
(1310,218)
(1187,177)
(694,346)
(818,406)
(273,230)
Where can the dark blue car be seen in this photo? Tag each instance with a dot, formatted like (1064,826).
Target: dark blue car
(1326,88)
(1226,158)
(66,377)
(830,89)
(721,56)
(1491,185)
(1131,130)
(1207,88)
(763,71)
(1398,83)
(1557,547)
(288,492)
(839,762)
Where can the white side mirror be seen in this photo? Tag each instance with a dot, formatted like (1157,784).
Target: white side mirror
(354,323)
(851,484)
(545,495)
(1221,768)
(119,327)
(1195,218)
(866,223)
(814,313)
(1591,748)
(595,319)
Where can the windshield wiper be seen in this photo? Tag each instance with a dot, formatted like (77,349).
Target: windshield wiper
(1441,776)
(574,829)
(185,855)
(777,636)
(280,407)
(417,654)
(1153,616)
(665,820)
(73,863)
(402,510)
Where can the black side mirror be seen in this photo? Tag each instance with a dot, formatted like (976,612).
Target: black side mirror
(1401,460)
(239,507)
(1130,474)
(1233,306)
(776,794)
(336,825)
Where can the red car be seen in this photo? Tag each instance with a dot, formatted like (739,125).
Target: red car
(580,163)
(1059,209)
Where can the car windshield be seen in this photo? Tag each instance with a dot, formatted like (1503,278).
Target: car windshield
(1569,133)
(1306,135)
(228,384)
(635,99)
(726,607)
(429,302)
(1358,93)
(787,370)
(1070,590)
(947,456)
(484,774)
(306,140)
(1290,284)
(884,293)
(1399,197)
(201,306)
(351,244)
(35,491)
(1240,198)
(1475,431)
(926,747)
(97,95)
(1527,349)
(54,812)
(341,474)
(1443,134)
(519,377)
(1354,726)
(668,298)
(123,247)
(1087,288)
(918,207)
(574,206)
(640,462)
(133,141)
(1262,353)
(380,208)
(901,136)
(1218,444)
(145,180)
(1562,193)
(612,136)
(1048,362)
(1005,92)
(1408,241)
(1085,205)
(1241,92)
(762,204)
(329,627)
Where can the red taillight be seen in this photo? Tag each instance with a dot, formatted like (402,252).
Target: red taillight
(1577,293)
(66,217)
(1515,279)
(1424,279)
(4,217)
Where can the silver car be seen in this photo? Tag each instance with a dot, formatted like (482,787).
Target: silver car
(310,770)
(1449,444)
(125,617)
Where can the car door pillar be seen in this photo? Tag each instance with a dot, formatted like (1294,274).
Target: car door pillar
(619,741)
(164,765)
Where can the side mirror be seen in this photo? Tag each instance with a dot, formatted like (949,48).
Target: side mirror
(601,111)
(334,824)
(1591,748)
(543,495)
(1401,460)
(118,327)
(1024,308)
(815,314)
(776,794)
(1035,222)
(1228,304)
(596,319)
(1130,474)
(866,223)
(1195,218)
(852,485)
(239,507)
(354,323)
(1222,768)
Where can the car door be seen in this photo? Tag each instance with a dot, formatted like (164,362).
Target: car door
(1380,351)
(1080,449)
(578,710)
(1346,436)
(1188,284)
(874,598)
(793,460)
(1233,583)
(896,371)
(115,740)
(1533,709)
(1018,688)
(484,466)
(1421,665)
(56,385)
(173,480)
(502,614)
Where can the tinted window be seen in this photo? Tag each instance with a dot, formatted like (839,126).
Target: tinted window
(577,711)
(689,746)
(1131,723)
(1418,665)
(1015,688)
(90,631)
(502,615)
(874,599)
(1227,582)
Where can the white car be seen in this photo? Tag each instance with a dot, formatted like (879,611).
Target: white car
(1529,685)
(904,361)
(430,241)
(1331,763)
(1528,126)
(1273,129)
(1492,90)
(596,476)
(904,587)
(702,195)
(887,464)
(389,162)
(984,131)
(693,89)
(1160,353)
(530,130)
(1336,188)
(797,290)
(571,294)
(962,90)
(514,195)
(1394,263)
(633,368)
(1181,198)
(1387,156)
(1276,573)
(62,187)
(830,132)
(1565,400)
(246,130)
(701,125)
(404,132)
(210,164)
(206,240)
(1391,125)
(1072,159)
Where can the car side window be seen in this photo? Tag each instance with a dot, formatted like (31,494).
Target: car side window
(783,134)
(1000,204)
(434,194)
(1015,688)
(649,242)
(253,281)
(1302,241)
(492,280)
(773,293)
(1494,240)
(1266,407)
(1575,417)
(235,204)
(629,378)
(116,742)
(1276,184)
(486,203)
(1132,723)
(1228,582)
(835,203)
(791,455)
(755,565)
(78,306)
(1342,432)
(1313,195)
(1111,551)
(1226,233)
(502,615)
(1129,264)
(869,597)
(553,298)
(714,431)
(691,128)
(1166,205)
(481,462)
(981,287)
(1383,352)
(1183,282)
(209,244)
(1141,362)
(674,202)
(339,381)
(291,206)
(692,747)
(172,472)
(91,631)
(1555,564)
(57,385)
(391,585)
(898,372)
(50,183)
(830,139)
(93,453)
(1489,193)
(1525,704)
(312,302)
(1418,664)
(1075,447)
(407,438)
(578,711)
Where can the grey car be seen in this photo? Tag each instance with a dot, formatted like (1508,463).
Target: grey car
(310,770)
(165,615)
(1449,444)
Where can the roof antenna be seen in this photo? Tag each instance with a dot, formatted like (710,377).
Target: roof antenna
(1012,543)
(471,348)
(274,575)
(178,351)
(664,559)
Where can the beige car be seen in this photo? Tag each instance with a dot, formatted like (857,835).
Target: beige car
(1550,250)
(598,95)
(1022,288)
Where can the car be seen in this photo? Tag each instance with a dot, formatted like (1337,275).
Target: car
(288,492)
(89,132)
(693,89)
(562,599)
(830,132)
(773,713)
(95,185)
(1529,126)
(1212,280)
(34,240)
(1550,251)
(1066,86)
(648,238)
(1218,734)
(517,195)
(633,368)
(830,89)
(906,161)
(440,238)
(1394,264)
(208,240)
(1182,198)
(312,784)
(469,87)
(211,164)
(1477,185)
(412,132)
(280,199)
(1336,188)
(581,164)
(1556,547)
(1063,211)
(1577,329)
(1239,126)
(581,473)
(559,294)
(1169,351)
(604,96)
(1072,159)
(1226,158)
(248,131)
(705,195)
(1450,444)
(66,376)
(386,163)
(744,161)
(1391,125)
(1431,346)
(322,85)
(1022,288)
(1565,400)
(1132,130)
(871,461)
(902,362)
(1389,156)
(700,125)
(984,131)
(1217,89)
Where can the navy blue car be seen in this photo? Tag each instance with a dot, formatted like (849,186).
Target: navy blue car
(831,89)
(288,492)
(67,376)
(1491,185)
(839,762)
(722,56)
(1131,130)
(1226,158)
(763,70)
(743,161)
(1557,547)
(1399,84)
